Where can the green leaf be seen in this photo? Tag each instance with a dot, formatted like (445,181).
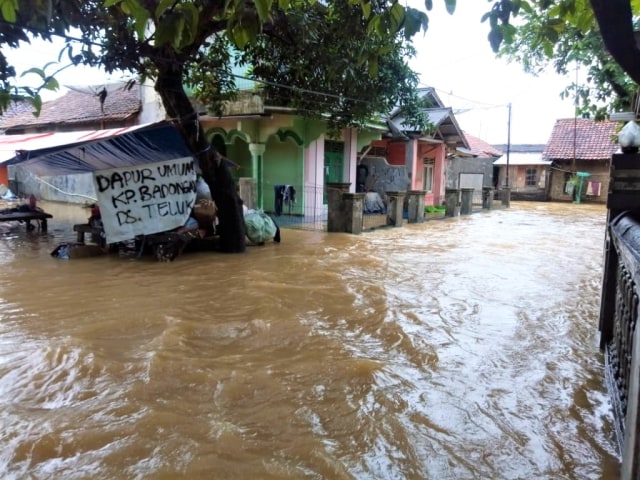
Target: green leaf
(414,21)
(9,10)
(36,101)
(167,29)
(35,70)
(373,67)
(374,24)
(366,9)
(163,5)
(508,32)
(495,38)
(51,84)
(191,17)
(451,6)
(240,37)
(397,14)
(111,3)
(263,7)
(177,40)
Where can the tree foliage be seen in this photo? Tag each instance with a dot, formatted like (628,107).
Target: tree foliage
(591,36)
(349,78)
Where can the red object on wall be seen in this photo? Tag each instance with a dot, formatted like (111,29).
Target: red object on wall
(4,176)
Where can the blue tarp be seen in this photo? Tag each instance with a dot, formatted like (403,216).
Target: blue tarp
(67,153)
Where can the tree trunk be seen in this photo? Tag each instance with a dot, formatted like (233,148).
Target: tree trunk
(215,172)
(616,27)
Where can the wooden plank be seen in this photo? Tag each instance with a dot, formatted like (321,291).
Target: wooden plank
(23,216)
(41,217)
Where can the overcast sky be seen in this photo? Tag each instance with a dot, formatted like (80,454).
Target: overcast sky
(454,57)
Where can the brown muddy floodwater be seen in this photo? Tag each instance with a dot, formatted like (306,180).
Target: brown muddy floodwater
(465,348)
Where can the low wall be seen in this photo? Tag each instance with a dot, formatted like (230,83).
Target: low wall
(77,188)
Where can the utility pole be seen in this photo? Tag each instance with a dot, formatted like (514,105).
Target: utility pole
(508,142)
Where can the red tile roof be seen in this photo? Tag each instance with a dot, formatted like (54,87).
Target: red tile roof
(481,148)
(583,138)
(79,108)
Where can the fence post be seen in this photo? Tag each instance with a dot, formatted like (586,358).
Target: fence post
(353,207)
(415,206)
(395,207)
(335,201)
(451,196)
(505,195)
(487,198)
(466,201)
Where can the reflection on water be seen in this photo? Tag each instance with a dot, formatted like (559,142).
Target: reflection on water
(458,349)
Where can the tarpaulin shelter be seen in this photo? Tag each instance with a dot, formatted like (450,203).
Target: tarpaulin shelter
(68,153)
(144,175)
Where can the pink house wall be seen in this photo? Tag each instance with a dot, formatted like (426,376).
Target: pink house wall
(438,153)
(397,154)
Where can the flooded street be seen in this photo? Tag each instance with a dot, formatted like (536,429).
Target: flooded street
(458,349)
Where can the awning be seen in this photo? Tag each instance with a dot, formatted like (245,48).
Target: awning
(68,153)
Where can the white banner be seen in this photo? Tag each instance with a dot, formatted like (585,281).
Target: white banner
(146,199)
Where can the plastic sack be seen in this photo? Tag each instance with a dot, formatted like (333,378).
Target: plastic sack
(260,226)
(202,190)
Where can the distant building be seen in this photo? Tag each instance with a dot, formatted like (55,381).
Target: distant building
(527,174)
(472,167)
(585,146)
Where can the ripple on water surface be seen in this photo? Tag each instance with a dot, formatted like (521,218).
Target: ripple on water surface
(455,349)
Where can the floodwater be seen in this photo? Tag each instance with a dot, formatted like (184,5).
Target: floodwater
(464,348)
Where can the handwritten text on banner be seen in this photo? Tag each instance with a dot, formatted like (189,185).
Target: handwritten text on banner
(146,199)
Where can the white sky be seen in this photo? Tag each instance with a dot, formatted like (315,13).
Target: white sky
(454,57)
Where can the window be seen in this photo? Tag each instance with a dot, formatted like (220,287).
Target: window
(427,178)
(531,177)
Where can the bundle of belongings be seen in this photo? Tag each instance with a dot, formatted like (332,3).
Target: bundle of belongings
(260,227)
(205,214)
(373,203)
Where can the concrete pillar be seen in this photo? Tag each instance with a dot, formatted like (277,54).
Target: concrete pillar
(451,196)
(395,207)
(505,195)
(487,197)
(415,206)
(248,192)
(257,151)
(353,208)
(335,206)
(466,201)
